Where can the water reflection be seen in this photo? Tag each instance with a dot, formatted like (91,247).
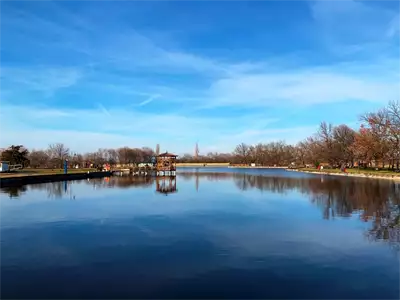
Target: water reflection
(376,201)
(232,235)
(14,191)
(166,185)
(56,190)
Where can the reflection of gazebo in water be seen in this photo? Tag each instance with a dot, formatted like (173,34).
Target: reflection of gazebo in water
(166,185)
(166,164)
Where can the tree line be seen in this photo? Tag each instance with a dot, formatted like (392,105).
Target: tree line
(55,155)
(375,143)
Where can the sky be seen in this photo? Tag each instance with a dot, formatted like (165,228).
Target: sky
(132,73)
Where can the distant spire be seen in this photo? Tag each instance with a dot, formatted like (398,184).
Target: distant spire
(196,150)
(158,149)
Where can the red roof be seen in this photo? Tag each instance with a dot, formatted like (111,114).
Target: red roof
(166,154)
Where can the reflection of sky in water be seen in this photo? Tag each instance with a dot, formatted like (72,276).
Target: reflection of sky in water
(198,238)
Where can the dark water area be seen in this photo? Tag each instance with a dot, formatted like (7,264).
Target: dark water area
(210,233)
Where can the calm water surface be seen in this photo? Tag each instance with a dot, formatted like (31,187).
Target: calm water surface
(222,234)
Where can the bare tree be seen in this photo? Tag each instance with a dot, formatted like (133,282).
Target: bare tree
(58,153)
(38,158)
(147,154)
(242,151)
(112,156)
(326,143)
(343,139)
(123,155)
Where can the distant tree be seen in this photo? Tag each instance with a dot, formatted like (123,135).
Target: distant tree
(112,156)
(301,153)
(135,156)
(123,154)
(77,159)
(343,138)
(385,126)
(16,155)
(97,158)
(38,158)
(58,153)
(242,151)
(367,146)
(326,142)
(147,154)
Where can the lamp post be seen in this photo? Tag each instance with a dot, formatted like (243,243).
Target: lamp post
(66,166)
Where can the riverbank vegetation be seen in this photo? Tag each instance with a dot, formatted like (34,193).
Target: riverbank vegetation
(376,144)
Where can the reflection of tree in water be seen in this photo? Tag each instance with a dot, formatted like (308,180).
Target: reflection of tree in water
(207,175)
(53,189)
(377,201)
(386,220)
(14,191)
(58,189)
(123,181)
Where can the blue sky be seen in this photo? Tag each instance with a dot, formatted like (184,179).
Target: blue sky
(111,74)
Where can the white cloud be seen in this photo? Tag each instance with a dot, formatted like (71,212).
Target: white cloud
(148,100)
(126,49)
(239,83)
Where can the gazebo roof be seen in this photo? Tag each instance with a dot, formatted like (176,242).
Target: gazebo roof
(166,154)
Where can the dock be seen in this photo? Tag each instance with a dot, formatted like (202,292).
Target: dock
(164,165)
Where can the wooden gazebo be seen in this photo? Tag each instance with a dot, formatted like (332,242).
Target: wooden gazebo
(166,164)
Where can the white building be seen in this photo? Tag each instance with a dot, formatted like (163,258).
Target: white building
(4,166)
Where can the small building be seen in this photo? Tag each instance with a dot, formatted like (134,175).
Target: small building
(4,166)
(166,163)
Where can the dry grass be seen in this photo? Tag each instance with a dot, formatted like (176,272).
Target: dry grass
(355,171)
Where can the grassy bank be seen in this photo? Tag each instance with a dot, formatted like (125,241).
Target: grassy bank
(33,172)
(370,173)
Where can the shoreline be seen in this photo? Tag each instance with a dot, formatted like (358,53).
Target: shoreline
(22,179)
(370,176)
(223,165)
(256,167)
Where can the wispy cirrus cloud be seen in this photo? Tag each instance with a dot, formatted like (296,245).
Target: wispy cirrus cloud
(79,71)
(308,86)
(394,28)
(349,22)
(42,79)
(150,99)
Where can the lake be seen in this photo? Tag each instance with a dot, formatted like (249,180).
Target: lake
(210,233)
